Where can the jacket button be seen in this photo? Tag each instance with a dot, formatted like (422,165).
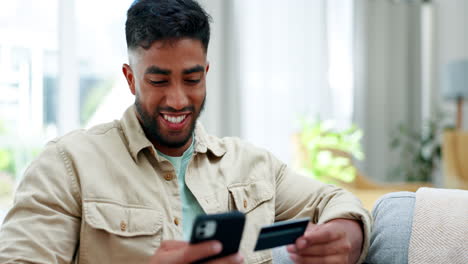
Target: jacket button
(176,221)
(245,203)
(123,226)
(168,176)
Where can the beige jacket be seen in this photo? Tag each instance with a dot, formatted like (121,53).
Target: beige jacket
(104,196)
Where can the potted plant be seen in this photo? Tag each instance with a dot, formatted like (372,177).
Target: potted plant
(419,149)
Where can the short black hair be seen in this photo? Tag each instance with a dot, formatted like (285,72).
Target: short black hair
(154,20)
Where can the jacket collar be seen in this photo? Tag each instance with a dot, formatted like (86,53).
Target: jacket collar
(205,142)
(133,132)
(137,140)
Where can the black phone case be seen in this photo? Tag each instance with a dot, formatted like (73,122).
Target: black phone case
(229,229)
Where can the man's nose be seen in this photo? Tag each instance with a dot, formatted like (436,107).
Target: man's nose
(176,97)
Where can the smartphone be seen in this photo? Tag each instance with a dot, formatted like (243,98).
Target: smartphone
(227,228)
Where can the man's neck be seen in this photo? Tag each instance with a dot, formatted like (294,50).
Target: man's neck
(173,152)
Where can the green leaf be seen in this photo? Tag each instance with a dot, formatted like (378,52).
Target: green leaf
(317,137)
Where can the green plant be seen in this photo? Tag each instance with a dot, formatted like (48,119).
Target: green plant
(419,150)
(328,152)
(6,154)
(6,160)
(15,156)
(6,166)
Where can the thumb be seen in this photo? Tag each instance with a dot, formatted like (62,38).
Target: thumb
(199,251)
(311,227)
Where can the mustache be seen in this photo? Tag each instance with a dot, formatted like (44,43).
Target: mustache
(172,110)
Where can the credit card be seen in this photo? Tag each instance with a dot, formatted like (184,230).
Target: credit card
(281,233)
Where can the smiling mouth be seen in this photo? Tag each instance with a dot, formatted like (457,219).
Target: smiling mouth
(174,119)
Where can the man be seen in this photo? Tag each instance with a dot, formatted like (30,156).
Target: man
(128,191)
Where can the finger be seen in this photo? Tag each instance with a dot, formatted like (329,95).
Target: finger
(172,244)
(194,252)
(301,242)
(336,247)
(335,259)
(322,234)
(231,259)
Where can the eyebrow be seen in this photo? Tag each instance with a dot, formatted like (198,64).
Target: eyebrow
(156,70)
(197,68)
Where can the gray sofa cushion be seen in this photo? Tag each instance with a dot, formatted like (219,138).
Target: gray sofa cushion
(393,217)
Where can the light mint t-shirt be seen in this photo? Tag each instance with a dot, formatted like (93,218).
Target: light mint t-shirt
(190,206)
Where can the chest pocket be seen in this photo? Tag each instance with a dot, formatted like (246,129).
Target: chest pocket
(115,233)
(246,197)
(255,199)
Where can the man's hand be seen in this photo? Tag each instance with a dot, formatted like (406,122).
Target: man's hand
(180,252)
(338,241)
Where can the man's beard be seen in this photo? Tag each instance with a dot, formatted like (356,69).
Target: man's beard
(150,124)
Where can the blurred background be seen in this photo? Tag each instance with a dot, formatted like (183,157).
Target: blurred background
(363,93)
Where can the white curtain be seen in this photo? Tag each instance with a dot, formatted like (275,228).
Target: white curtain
(387,77)
(273,63)
(283,69)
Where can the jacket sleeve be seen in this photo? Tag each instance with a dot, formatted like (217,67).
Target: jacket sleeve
(301,196)
(44,224)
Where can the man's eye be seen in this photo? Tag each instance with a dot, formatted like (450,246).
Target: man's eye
(193,80)
(158,82)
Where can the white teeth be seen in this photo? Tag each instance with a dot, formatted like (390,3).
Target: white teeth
(174,119)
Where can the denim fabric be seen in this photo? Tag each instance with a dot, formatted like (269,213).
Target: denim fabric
(393,217)
(281,256)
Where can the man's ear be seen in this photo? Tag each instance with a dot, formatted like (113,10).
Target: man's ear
(128,73)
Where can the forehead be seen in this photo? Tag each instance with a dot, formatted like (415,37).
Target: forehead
(171,54)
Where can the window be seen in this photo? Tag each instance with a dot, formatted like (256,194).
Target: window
(33,103)
(27,50)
